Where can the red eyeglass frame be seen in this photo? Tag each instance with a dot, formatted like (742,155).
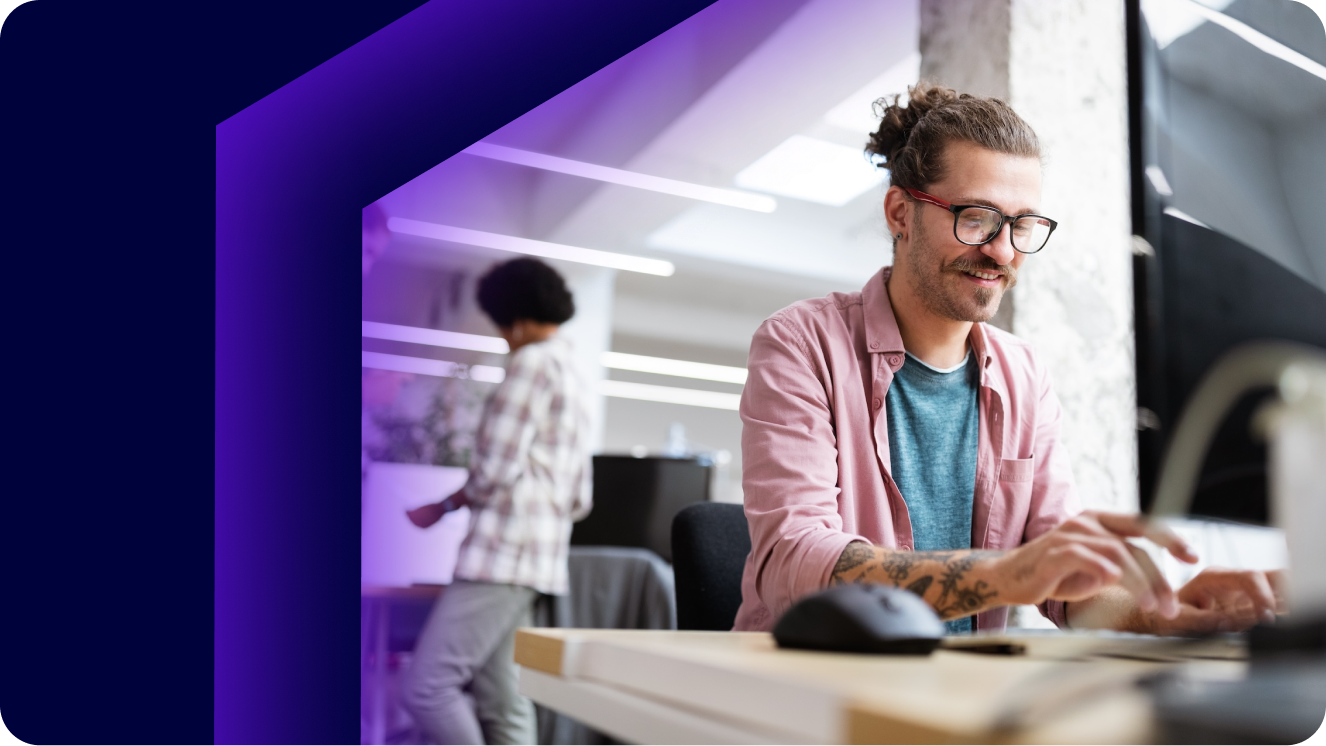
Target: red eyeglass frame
(921,196)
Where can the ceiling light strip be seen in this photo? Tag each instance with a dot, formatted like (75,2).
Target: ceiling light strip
(530,247)
(667,367)
(433,337)
(427,367)
(813,170)
(670,395)
(729,197)
(1259,40)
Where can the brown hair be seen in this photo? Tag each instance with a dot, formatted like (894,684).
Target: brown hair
(910,140)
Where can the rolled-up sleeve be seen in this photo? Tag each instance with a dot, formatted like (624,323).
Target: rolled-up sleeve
(789,468)
(1054,493)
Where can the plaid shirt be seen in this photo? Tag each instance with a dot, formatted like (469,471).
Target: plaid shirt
(529,473)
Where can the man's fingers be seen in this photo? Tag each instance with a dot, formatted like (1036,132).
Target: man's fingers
(1278,583)
(1125,524)
(1263,596)
(1203,620)
(1143,582)
(1167,602)
(1075,559)
(1258,590)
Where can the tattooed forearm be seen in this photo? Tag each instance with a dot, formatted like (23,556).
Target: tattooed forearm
(955,583)
(898,566)
(967,600)
(855,555)
(955,568)
(860,558)
(921,585)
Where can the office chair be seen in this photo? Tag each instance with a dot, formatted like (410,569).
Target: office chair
(710,542)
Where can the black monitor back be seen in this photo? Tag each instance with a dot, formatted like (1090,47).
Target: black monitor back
(1200,296)
(1227,154)
(635,500)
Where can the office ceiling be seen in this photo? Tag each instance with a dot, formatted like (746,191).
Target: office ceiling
(699,104)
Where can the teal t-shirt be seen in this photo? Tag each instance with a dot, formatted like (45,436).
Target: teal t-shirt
(933,437)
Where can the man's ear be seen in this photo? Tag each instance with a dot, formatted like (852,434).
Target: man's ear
(897,211)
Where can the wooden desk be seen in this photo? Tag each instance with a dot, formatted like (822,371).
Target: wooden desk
(738,687)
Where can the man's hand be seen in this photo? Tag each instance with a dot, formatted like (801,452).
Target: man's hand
(1088,553)
(1220,600)
(426,515)
(1076,561)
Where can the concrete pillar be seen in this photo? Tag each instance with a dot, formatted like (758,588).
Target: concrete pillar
(964,45)
(1062,66)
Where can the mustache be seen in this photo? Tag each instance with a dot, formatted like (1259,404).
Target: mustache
(1009,272)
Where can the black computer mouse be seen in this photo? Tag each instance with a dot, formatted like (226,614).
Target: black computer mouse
(861,619)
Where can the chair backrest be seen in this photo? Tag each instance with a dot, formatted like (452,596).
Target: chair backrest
(710,542)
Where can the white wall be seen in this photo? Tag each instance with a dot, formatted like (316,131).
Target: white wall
(590,332)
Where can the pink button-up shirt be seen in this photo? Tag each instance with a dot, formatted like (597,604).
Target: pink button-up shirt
(815,448)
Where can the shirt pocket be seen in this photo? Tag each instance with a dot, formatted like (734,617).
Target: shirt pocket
(1012,502)
(1017,469)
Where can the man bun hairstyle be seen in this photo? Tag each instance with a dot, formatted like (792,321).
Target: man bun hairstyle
(525,288)
(911,138)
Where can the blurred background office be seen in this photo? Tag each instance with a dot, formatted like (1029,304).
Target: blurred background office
(715,175)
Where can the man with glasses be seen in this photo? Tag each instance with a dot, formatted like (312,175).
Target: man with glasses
(891,436)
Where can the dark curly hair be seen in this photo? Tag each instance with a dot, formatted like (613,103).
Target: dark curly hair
(910,140)
(525,288)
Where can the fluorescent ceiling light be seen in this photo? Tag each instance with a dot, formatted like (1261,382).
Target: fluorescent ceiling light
(1159,181)
(1258,39)
(424,366)
(531,247)
(813,170)
(670,395)
(729,197)
(434,337)
(666,367)
(857,114)
(843,248)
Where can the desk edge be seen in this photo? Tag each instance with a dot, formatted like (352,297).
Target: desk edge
(540,650)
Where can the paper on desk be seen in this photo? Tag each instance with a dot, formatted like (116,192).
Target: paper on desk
(395,552)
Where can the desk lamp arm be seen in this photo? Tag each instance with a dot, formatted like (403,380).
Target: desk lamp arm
(1298,371)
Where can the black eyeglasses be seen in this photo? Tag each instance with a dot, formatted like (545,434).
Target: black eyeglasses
(977,225)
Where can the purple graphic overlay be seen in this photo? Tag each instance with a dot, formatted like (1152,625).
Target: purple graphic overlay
(292,172)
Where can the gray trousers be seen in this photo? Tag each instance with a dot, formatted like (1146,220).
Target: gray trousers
(463,684)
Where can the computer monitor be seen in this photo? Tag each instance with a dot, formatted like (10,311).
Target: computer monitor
(635,500)
(1228,134)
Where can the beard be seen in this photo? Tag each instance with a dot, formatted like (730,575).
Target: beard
(933,281)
